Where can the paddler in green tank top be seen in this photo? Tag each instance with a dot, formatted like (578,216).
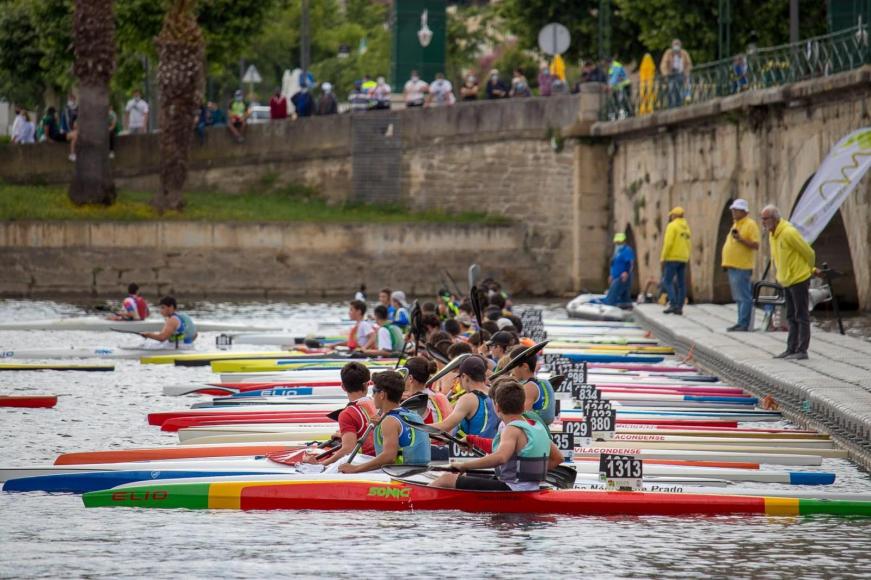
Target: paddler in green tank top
(540,396)
(178,330)
(522,452)
(387,340)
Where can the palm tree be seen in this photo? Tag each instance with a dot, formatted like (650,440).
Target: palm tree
(181,50)
(94,47)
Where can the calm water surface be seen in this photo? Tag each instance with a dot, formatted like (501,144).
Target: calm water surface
(54,536)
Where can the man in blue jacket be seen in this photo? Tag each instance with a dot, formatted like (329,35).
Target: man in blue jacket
(620,275)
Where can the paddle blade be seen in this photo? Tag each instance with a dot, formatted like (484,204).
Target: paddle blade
(556,381)
(448,368)
(400,471)
(474,274)
(476,304)
(532,350)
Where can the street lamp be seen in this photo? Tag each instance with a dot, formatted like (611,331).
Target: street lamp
(424,35)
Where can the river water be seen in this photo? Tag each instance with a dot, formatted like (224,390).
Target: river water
(45,535)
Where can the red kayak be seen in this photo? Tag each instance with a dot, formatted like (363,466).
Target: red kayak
(305,416)
(640,367)
(184,422)
(30,401)
(242,387)
(171,452)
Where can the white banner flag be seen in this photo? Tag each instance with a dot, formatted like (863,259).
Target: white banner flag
(833,182)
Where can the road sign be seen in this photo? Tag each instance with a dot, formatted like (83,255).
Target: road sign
(251,75)
(554,38)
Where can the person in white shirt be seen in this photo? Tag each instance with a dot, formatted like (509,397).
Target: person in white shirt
(23,130)
(16,124)
(441,92)
(415,91)
(136,114)
(381,94)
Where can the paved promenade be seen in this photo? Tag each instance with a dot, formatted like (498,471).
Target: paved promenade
(831,391)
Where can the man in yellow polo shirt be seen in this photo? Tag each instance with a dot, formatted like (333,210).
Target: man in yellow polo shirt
(794,259)
(676,245)
(739,254)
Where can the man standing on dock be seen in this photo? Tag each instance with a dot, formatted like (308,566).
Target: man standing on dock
(620,276)
(794,260)
(676,245)
(739,254)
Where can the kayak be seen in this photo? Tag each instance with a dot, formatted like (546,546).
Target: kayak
(560,347)
(609,358)
(398,496)
(206,358)
(106,352)
(589,307)
(105,325)
(29,401)
(278,364)
(55,367)
(282,338)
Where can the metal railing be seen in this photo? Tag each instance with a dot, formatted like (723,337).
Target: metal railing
(758,69)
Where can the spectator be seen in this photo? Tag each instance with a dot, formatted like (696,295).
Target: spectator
(620,275)
(738,257)
(619,86)
(113,131)
(495,88)
(380,94)
(545,81)
(469,90)
(69,115)
(16,123)
(357,98)
(238,109)
(675,255)
(48,127)
(327,104)
(23,129)
(591,73)
(136,114)
(303,103)
(441,92)
(676,66)
(368,87)
(415,91)
(215,116)
(559,87)
(739,69)
(278,106)
(519,85)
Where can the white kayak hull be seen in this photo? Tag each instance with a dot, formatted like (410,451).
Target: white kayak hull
(582,307)
(104,325)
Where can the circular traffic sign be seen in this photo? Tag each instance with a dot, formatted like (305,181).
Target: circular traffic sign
(554,38)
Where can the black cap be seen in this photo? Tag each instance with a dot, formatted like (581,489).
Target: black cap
(473,367)
(501,338)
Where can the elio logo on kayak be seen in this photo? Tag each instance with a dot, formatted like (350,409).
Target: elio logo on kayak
(390,492)
(133,496)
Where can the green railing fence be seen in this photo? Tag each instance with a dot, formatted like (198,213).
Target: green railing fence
(759,69)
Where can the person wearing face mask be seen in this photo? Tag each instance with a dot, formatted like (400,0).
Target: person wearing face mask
(519,85)
(676,66)
(381,94)
(495,88)
(415,91)
(469,90)
(620,275)
(441,92)
(327,104)
(136,114)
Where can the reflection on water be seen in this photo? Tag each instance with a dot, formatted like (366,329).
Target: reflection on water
(53,535)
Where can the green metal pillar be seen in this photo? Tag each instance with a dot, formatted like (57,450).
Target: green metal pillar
(604,37)
(724,31)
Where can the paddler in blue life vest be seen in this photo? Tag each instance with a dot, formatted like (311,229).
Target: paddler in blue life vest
(474,413)
(134,306)
(540,397)
(178,330)
(522,452)
(396,442)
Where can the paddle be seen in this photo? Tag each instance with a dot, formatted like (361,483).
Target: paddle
(556,381)
(476,305)
(402,471)
(437,354)
(515,361)
(179,390)
(125,331)
(448,368)
(474,274)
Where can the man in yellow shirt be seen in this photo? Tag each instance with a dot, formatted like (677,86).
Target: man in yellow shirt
(675,254)
(739,254)
(794,260)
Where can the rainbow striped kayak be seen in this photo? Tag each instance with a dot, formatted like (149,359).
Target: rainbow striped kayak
(398,496)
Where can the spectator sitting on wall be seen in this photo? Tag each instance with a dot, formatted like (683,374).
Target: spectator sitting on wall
(327,104)
(357,98)
(303,103)
(545,81)
(238,109)
(49,129)
(619,86)
(415,91)
(739,69)
(519,85)
(441,92)
(380,94)
(368,87)
(590,73)
(25,131)
(469,90)
(676,66)
(16,124)
(136,114)
(559,87)
(495,88)
(277,106)
(69,115)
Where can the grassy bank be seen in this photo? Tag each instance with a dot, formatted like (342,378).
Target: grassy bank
(19,202)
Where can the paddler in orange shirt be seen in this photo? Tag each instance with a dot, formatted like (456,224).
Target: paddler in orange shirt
(362,330)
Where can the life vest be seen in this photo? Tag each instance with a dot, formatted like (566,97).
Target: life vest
(397,340)
(545,405)
(186,331)
(365,409)
(484,422)
(414,446)
(141,307)
(352,337)
(530,465)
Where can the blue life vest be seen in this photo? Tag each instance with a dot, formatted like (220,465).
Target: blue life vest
(484,422)
(414,447)
(187,330)
(545,405)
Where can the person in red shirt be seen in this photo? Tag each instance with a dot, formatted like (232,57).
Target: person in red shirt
(277,106)
(355,417)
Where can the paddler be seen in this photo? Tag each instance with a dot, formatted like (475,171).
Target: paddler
(178,330)
(540,396)
(396,442)
(134,306)
(474,413)
(500,343)
(522,452)
(356,415)
(437,406)
(400,315)
(362,330)
(387,340)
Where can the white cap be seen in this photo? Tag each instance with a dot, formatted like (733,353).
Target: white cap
(327,87)
(740,204)
(504,323)
(399,296)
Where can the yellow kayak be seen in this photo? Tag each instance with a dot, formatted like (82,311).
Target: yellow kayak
(256,365)
(207,357)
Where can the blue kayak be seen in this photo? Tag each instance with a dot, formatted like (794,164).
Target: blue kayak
(612,358)
(97,480)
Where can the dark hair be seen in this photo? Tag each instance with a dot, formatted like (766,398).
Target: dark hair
(452,327)
(493,313)
(380,312)
(443,346)
(459,348)
(420,369)
(387,291)
(132,288)
(430,321)
(490,326)
(497,300)
(359,306)
(516,322)
(392,383)
(479,338)
(168,301)
(440,336)
(530,360)
(354,377)
(511,397)
(428,307)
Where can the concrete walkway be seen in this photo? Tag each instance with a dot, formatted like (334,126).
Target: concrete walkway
(831,391)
